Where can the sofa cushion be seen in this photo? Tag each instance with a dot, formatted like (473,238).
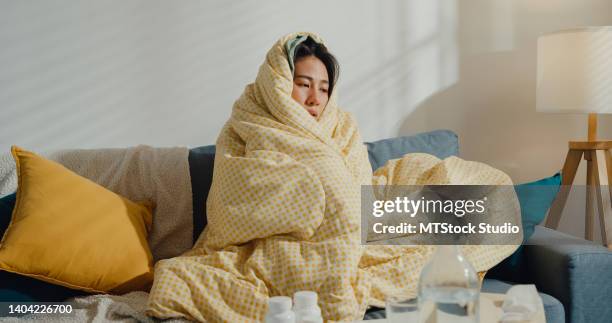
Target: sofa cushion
(440,143)
(201,165)
(535,199)
(18,288)
(58,222)
(7,203)
(578,272)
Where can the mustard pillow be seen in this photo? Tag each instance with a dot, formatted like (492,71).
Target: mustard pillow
(70,231)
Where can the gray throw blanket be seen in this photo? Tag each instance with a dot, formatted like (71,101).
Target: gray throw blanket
(160,175)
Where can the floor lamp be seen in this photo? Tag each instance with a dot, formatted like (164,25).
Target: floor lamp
(575,76)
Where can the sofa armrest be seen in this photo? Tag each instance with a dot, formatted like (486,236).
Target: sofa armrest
(576,272)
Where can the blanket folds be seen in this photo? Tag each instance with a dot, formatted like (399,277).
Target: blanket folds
(284,213)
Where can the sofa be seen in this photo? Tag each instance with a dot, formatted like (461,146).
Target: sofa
(574,276)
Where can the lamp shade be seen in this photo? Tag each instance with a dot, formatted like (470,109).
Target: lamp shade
(575,71)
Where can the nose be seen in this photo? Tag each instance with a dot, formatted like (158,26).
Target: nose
(313,98)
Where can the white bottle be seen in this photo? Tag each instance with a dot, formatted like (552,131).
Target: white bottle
(448,288)
(279,310)
(306,308)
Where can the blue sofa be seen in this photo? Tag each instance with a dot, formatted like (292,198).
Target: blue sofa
(574,276)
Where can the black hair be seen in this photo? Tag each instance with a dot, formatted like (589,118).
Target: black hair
(310,47)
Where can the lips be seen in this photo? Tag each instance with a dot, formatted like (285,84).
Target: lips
(312,112)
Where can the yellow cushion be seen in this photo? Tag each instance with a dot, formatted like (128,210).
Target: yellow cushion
(68,230)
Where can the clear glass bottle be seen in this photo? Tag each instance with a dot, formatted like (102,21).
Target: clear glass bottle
(448,288)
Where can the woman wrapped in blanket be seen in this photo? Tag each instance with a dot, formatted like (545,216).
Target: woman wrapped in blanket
(284,210)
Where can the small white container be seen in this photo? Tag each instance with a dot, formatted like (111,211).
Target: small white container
(306,308)
(279,310)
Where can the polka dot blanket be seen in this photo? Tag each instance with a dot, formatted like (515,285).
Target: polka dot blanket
(284,213)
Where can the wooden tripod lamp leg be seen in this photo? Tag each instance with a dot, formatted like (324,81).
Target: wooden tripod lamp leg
(609,169)
(608,225)
(590,193)
(601,208)
(572,160)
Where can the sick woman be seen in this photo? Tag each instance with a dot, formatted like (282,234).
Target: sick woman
(284,210)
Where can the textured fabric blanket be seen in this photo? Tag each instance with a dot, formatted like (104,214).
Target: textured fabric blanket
(160,175)
(284,213)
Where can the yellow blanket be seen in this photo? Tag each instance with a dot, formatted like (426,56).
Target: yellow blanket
(284,213)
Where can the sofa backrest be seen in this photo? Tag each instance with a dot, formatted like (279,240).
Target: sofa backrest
(440,143)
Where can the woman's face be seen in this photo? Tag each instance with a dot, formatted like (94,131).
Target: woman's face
(311,85)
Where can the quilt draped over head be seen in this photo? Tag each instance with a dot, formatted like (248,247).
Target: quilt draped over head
(284,213)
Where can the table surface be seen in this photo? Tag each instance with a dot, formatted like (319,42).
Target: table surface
(490,310)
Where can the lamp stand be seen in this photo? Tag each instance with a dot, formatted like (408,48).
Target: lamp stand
(588,149)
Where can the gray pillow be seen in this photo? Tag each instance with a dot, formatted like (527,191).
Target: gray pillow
(440,143)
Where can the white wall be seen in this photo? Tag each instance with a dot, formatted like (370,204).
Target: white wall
(119,73)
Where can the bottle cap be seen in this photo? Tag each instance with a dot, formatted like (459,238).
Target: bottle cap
(279,304)
(305,298)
